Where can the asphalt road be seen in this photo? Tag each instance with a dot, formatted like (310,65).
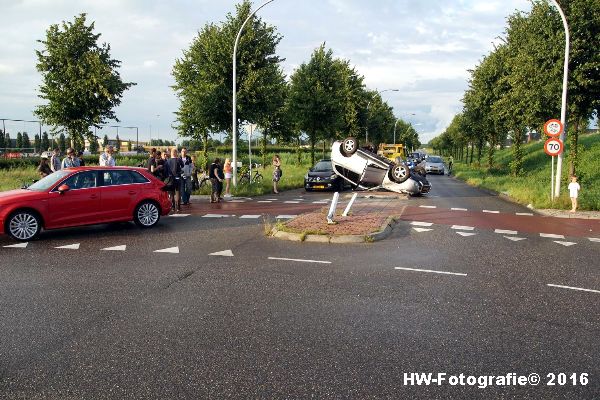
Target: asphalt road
(274,319)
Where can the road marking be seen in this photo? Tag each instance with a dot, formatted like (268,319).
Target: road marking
(527,214)
(271,199)
(574,288)
(551,236)
(173,250)
(250,216)
(432,271)
(291,202)
(116,248)
(462,227)
(428,206)
(298,199)
(466,233)
(597,240)
(236,201)
(69,247)
(419,223)
(566,244)
(179,215)
(505,232)
(514,238)
(17,246)
(422,229)
(215,216)
(300,260)
(224,253)
(264,201)
(286,216)
(491,211)
(458,209)
(319,202)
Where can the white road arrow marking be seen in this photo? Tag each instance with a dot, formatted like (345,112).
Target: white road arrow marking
(17,246)
(458,209)
(432,271)
(224,253)
(250,216)
(419,223)
(551,236)
(462,228)
(422,229)
(506,232)
(69,247)
(466,233)
(173,250)
(116,248)
(514,238)
(574,288)
(566,244)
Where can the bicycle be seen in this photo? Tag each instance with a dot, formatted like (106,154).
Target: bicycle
(245,175)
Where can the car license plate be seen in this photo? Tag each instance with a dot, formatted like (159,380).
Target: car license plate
(319,186)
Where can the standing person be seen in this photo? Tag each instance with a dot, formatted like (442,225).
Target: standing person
(276,172)
(71,160)
(228,170)
(151,162)
(80,158)
(158,168)
(195,181)
(44,169)
(216,176)
(450,162)
(574,189)
(187,167)
(55,160)
(106,158)
(174,171)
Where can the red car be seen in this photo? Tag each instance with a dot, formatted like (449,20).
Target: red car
(83,196)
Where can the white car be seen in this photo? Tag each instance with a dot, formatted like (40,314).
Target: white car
(435,165)
(366,170)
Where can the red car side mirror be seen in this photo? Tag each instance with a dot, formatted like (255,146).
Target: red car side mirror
(63,188)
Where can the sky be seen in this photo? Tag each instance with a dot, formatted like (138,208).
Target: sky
(422,48)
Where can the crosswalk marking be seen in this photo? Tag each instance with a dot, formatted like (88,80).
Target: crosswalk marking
(265,201)
(422,206)
(179,215)
(514,238)
(462,228)
(491,211)
(215,215)
(250,216)
(291,202)
(419,223)
(551,236)
(17,246)
(115,248)
(597,240)
(526,214)
(466,233)
(172,250)
(505,232)
(74,246)
(422,229)
(283,216)
(566,244)
(236,201)
(458,209)
(224,253)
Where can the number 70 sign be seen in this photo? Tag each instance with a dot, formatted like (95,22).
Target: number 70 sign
(553,147)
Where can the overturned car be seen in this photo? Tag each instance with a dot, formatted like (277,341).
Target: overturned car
(366,170)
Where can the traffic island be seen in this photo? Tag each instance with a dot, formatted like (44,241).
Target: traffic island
(365,227)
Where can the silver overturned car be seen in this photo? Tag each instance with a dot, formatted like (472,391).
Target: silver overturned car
(366,170)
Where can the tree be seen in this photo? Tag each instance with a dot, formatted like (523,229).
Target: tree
(45,142)
(7,140)
(19,142)
(118,146)
(105,141)
(203,76)
(2,142)
(94,145)
(80,81)
(129,145)
(62,142)
(37,148)
(316,98)
(25,142)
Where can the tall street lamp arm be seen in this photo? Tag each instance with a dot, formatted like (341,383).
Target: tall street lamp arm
(234,113)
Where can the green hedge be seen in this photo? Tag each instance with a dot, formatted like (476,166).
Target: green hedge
(20,163)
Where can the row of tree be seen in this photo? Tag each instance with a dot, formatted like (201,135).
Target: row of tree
(517,87)
(324,99)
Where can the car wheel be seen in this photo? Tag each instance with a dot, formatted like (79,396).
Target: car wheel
(23,225)
(349,146)
(399,173)
(146,214)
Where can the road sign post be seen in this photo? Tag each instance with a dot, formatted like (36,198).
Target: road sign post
(553,147)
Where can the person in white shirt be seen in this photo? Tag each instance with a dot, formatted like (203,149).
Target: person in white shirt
(574,189)
(106,158)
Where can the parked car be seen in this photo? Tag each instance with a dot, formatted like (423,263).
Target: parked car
(367,170)
(322,177)
(83,196)
(435,165)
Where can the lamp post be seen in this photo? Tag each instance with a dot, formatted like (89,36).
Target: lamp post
(234,108)
(368,104)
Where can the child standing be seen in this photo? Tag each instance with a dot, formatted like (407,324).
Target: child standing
(574,189)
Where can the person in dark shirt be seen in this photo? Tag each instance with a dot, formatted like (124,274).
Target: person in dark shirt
(81,160)
(151,162)
(44,169)
(216,176)
(174,167)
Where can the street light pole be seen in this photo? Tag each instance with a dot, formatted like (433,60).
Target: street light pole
(563,107)
(368,104)
(234,109)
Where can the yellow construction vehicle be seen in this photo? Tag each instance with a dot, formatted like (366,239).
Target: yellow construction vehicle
(392,151)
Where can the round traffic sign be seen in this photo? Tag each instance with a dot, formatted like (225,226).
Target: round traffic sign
(553,127)
(553,147)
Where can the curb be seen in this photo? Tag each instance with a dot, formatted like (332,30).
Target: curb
(385,230)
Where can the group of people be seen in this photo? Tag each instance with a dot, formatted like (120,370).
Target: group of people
(178,171)
(72,159)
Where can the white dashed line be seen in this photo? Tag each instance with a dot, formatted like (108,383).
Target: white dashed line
(291,202)
(597,240)
(236,201)
(432,271)
(250,216)
(574,288)
(265,201)
(215,215)
(419,223)
(69,247)
(458,209)
(422,229)
(271,200)
(491,211)
(298,199)
(551,236)
(224,253)
(527,214)
(566,244)
(179,215)
(462,228)
(116,248)
(505,232)
(428,206)
(514,238)
(300,260)
(17,246)
(319,202)
(466,233)
(173,250)
(286,216)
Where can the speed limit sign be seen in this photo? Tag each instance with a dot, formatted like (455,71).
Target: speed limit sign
(553,128)
(553,147)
